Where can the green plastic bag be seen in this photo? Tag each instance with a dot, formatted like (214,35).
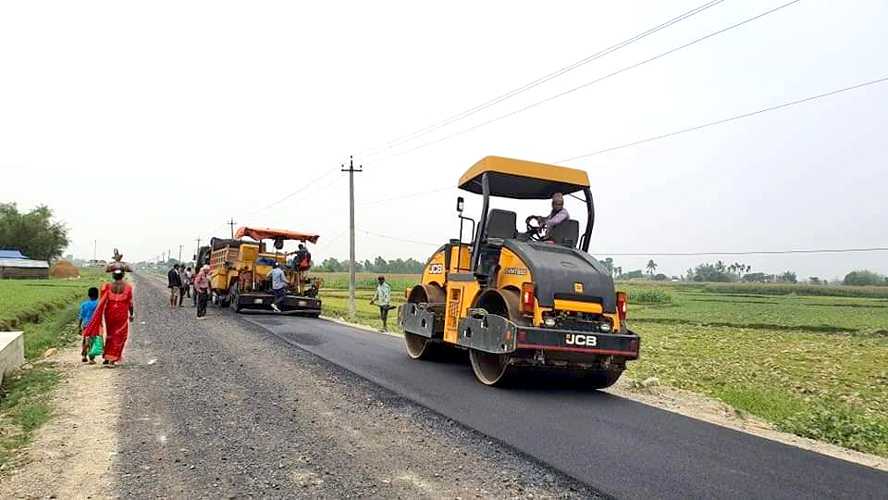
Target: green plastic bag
(97,348)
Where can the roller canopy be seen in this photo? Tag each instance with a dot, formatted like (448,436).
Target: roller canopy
(521,179)
(260,234)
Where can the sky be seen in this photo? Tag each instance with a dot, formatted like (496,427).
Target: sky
(146,126)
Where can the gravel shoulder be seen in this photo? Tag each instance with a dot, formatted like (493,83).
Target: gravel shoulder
(219,408)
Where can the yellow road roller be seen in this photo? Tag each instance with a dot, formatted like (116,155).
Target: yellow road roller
(522,300)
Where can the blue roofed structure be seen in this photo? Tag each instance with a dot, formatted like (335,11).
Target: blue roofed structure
(11,254)
(15,265)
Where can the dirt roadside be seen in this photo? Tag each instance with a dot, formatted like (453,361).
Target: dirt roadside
(71,456)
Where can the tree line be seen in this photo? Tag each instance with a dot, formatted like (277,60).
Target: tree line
(720,271)
(378,265)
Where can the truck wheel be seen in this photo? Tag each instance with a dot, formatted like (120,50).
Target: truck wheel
(234,297)
(491,369)
(601,379)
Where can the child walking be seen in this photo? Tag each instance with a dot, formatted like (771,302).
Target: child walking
(87,309)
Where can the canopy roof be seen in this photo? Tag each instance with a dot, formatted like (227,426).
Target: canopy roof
(11,254)
(521,179)
(261,233)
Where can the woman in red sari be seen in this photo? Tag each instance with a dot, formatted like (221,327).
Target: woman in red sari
(116,309)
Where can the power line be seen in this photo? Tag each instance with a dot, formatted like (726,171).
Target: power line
(599,79)
(545,78)
(682,254)
(294,193)
(395,238)
(406,196)
(747,252)
(696,127)
(726,120)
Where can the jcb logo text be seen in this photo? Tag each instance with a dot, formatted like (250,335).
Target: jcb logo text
(583,340)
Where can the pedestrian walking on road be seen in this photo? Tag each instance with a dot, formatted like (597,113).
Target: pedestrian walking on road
(186,283)
(87,309)
(278,286)
(174,283)
(382,298)
(202,290)
(183,284)
(116,310)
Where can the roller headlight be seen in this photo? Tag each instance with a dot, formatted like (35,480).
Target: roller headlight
(550,322)
(605,327)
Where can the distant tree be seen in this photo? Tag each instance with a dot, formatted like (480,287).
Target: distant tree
(689,274)
(814,280)
(618,271)
(788,277)
(864,278)
(633,274)
(34,233)
(758,278)
(651,267)
(331,265)
(717,272)
(608,263)
(661,277)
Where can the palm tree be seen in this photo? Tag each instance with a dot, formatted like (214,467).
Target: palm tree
(651,267)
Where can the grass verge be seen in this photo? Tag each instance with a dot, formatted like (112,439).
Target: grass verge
(826,387)
(25,395)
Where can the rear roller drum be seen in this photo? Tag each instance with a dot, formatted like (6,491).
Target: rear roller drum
(600,379)
(491,369)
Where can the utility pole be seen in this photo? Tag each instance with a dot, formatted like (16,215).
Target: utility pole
(231,224)
(95,248)
(351,231)
(196,252)
(180,254)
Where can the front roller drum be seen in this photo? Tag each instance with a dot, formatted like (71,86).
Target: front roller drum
(491,369)
(418,347)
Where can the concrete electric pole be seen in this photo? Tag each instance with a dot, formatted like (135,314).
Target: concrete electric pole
(352,310)
(180,254)
(231,223)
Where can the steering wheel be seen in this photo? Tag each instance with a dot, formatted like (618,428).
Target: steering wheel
(534,231)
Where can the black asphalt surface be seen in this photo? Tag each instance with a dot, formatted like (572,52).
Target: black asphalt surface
(617,446)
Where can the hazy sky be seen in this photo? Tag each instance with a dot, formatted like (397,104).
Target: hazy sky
(148,125)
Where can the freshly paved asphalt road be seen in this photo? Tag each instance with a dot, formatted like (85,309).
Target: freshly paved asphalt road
(620,447)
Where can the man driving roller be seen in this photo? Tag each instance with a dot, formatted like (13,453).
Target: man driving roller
(557,216)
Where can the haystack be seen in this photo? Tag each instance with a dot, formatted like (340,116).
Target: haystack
(64,269)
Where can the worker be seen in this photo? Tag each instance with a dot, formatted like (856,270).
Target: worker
(278,286)
(302,259)
(382,298)
(557,216)
(174,283)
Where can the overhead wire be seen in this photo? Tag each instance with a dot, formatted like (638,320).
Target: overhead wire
(405,196)
(775,107)
(550,76)
(599,79)
(728,119)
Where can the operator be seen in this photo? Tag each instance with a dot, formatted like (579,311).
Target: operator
(557,216)
(302,259)
(278,286)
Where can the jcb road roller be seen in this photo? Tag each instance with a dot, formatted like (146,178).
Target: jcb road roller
(522,300)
